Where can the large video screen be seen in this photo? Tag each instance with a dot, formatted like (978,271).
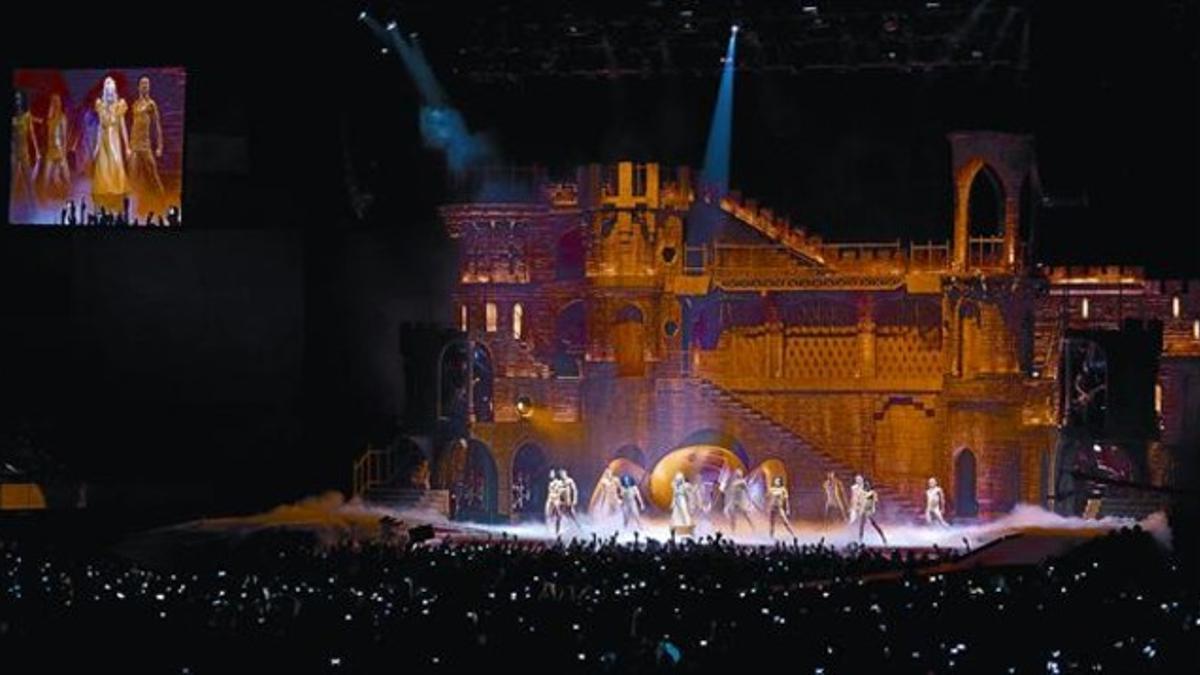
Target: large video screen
(97,147)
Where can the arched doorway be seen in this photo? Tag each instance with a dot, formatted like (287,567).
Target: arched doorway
(985,205)
(969,330)
(628,341)
(570,339)
(530,475)
(718,438)
(452,386)
(570,255)
(965,503)
(476,491)
(632,453)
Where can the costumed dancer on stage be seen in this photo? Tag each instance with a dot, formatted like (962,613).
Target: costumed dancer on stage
(835,497)
(681,503)
(608,498)
(870,503)
(569,497)
(779,505)
(737,500)
(857,488)
(631,502)
(935,501)
(553,497)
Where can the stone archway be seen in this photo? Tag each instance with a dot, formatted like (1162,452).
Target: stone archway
(966,501)
(530,470)
(632,453)
(628,338)
(477,489)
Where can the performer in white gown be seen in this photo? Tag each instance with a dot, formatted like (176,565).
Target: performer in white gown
(608,499)
(631,503)
(737,500)
(779,505)
(935,502)
(681,502)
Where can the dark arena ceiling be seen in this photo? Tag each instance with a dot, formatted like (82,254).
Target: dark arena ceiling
(514,40)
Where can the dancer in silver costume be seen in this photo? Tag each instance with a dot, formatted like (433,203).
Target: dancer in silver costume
(779,506)
(870,503)
(737,500)
(835,497)
(935,502)
(568,497)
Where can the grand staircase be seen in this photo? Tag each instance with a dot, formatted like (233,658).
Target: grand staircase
(756,429)
(374,482)
(434,501)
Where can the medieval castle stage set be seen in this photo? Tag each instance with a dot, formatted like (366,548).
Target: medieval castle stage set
(630,318)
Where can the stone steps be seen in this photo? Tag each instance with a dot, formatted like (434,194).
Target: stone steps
(767,431)
(408,498)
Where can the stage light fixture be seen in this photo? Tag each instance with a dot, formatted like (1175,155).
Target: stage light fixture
(383,50)
(362,16)
(391,25)
(524,406)
(734,28)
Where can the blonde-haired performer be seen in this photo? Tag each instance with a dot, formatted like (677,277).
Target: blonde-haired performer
(935,502)
(779,505)
(109,181)
(608,498)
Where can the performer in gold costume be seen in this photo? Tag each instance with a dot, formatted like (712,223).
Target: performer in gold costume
(109,182)
(143,165)
(21,163)
(56,175)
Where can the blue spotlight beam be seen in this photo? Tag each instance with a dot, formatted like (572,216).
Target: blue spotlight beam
(715,172)
(442,126)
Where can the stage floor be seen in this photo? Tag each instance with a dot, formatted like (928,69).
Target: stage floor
(330,518)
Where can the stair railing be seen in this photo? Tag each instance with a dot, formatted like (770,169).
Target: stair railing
(374,468)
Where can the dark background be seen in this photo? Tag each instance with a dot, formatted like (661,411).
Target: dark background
(253,353)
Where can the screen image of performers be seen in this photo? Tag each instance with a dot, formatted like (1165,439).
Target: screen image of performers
(779,506)
(55,171)
(143,154)
(110,182)
(835,498)
(935,502)
(22,161)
